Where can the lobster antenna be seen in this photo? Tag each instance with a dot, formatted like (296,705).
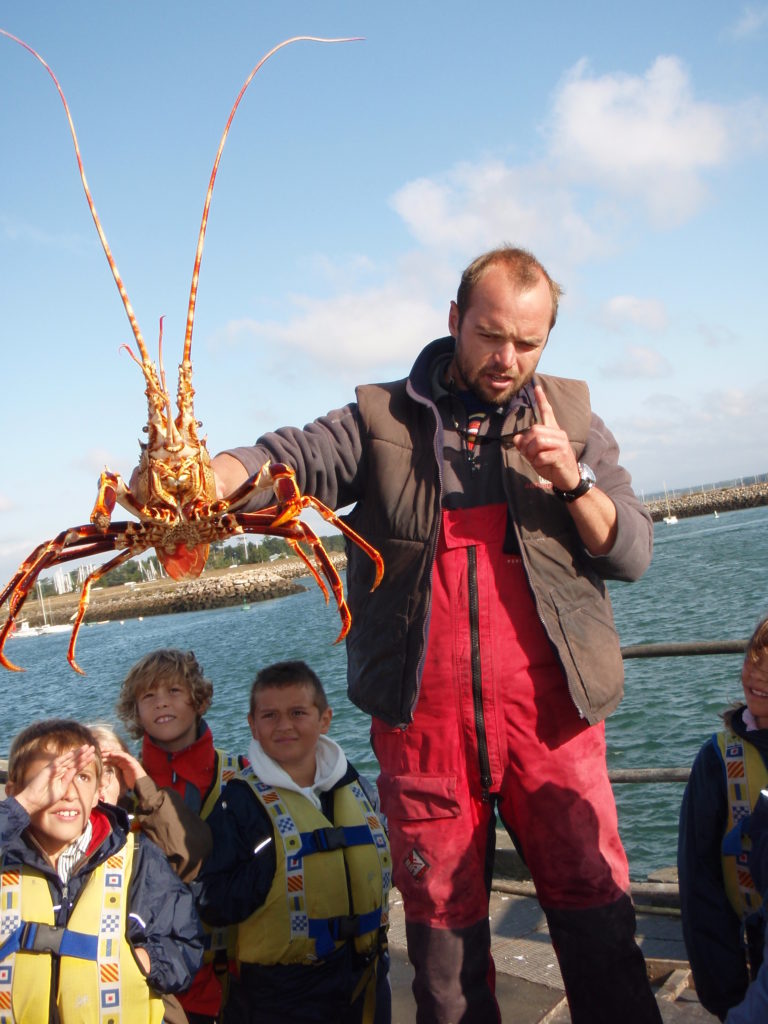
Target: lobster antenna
(204,223)
(103,238)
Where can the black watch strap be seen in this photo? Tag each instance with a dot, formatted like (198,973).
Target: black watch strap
(586,483)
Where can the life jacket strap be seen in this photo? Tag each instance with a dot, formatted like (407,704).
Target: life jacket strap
(328,931)
(35,937)
(321,840)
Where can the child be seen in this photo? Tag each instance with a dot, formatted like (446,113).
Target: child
(754,1008)
(113,789)
(301,863)
(90,917)
(161,814)
(162,701)
(722,925)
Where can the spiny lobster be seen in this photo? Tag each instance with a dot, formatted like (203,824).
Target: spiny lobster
(174,496)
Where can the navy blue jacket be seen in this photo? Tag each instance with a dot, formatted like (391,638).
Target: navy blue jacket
(711,927)
(754,1009)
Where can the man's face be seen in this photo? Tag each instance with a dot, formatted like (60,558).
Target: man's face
(57,826)
(502,336)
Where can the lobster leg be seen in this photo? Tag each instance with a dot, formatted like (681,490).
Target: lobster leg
(113,490)
(299,552)
(294,532)
(85,595)
(77,542)
(290,503)
(331,574)
(330,517)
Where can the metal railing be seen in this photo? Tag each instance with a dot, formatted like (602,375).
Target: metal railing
(671,650)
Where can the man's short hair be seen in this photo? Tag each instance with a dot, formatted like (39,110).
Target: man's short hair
(523,268)
(757,647)
(155,667)
(49,736)
(289,673)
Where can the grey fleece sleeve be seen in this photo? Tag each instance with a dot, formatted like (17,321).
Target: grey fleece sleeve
(325,455)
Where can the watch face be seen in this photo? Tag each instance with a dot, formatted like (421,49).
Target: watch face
(586,473)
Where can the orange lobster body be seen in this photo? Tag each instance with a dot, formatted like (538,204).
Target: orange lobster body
(173,496)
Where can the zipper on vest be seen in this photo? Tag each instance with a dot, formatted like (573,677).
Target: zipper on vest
(477,674)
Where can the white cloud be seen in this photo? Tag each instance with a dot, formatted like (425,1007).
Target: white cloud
(621,310)
(750,22)
(638,361)
(5,503)
(473,207)
(644,136)
(357,331)
(612,141)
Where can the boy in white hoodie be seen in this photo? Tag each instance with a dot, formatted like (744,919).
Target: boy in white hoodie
(301,864)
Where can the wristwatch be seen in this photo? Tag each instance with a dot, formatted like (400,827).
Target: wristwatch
(586,482)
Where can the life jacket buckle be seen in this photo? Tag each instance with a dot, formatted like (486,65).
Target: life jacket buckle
(328,839)
(41,938)
(345,928)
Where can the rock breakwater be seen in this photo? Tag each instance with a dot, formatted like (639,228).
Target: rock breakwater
(219,589)
(702,503)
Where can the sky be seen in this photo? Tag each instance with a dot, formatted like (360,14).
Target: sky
(625,145)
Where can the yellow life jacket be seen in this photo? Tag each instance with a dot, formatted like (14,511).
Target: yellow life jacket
(745,775)
(98,980)
(331,882)
(219,943)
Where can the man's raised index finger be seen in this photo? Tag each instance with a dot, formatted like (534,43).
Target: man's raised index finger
(545,409)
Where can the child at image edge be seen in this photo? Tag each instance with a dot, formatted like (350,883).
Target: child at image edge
(93,921)
(162,701)
(721,907)
(301,863)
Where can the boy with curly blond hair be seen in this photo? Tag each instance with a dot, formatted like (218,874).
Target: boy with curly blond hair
(162,702)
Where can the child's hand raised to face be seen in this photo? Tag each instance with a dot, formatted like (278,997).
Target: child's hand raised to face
(130,768)
(51,783)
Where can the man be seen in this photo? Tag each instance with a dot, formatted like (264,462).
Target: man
(488,656)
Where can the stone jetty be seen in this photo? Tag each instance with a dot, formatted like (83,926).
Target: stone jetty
(215,589)
(702,503)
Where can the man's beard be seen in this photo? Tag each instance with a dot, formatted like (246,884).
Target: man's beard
(472,380)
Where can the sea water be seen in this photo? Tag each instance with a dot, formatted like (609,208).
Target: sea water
(708,581)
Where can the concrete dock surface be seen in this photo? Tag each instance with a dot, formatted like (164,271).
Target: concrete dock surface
(529,988)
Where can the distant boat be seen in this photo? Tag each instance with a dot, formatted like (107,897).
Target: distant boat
(23,628)
(669,519)
(716,514)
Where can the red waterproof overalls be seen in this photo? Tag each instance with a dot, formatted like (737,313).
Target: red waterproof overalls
(494,726)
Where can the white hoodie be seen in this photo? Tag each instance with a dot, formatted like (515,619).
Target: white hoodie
(331,765)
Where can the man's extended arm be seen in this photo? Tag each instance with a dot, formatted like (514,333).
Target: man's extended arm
(326,457)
